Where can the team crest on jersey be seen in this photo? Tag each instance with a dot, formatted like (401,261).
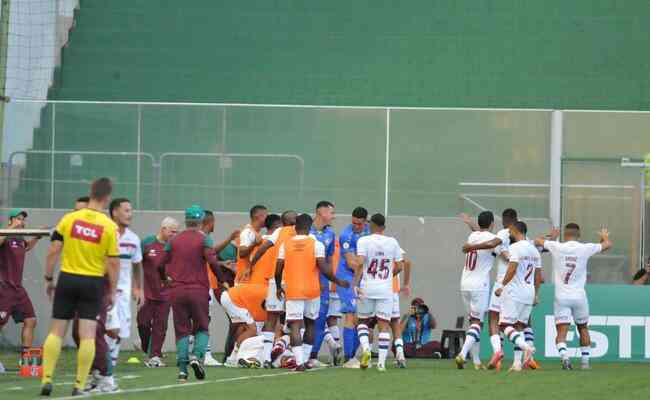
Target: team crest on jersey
(153,253)
(86,231)
(3,315)
(346,245)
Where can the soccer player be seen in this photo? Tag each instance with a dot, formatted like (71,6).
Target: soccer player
(395,323)
(570,275)
(249,240)
(154,313)
(14,300)
(475,289)
(81,202)
(334,314)
(379,258)
(129,283)
(87,240)
(348,251)
(184,269)
(519,293)
(323,232)
(300,259)
(500,246)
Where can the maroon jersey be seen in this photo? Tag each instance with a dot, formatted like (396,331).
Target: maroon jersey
(153,255)
(185,260)
(12,261)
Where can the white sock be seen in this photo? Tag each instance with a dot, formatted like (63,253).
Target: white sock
(297,353)
(529,336)
(586,352)
(472,335)
(399,349)
(518,356)
(517,338)
(336,335)
(476,353)
(561,348)
(306,350)
(383,343)
(113,349)
(362,332)
(495,340)
(329,338)
(268,345)
(302,332)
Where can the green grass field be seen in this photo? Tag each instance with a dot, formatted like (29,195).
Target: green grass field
(423,379)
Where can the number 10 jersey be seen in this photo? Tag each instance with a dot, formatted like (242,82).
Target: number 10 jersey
(380,252)
(478,263)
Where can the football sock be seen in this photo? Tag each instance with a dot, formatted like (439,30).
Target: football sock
(362,332)
(201,340)
(268,345)
(85,357)
(384,343)
(349,340)
(561,348)
(183,353)
(51,352)
(495,340)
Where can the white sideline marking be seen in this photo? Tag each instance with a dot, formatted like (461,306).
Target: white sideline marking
(180,385)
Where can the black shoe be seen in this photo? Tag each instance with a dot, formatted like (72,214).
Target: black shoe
(182,377)
(46,390)
(77,392)
(268,365)
(199,372)
(566,365)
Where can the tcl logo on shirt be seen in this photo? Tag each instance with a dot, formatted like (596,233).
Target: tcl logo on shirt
(86,231)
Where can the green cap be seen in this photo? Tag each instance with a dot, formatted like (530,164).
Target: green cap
(16,212)
(194,212)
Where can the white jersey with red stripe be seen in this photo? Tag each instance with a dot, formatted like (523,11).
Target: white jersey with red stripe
(130,253)
(478,263)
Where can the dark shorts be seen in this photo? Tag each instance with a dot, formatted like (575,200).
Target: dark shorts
(78,295)
(15,303)
(191,309)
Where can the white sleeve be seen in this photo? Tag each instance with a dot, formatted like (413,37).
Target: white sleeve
(514,254)
(539,265)
(281,252)
(274,237)
(399,253)
(246,237)
(362,248)
(593,248)
(551,245)
(137,256)
(319,250)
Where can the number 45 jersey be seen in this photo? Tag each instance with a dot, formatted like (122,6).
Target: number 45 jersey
(381,252)
(476,272)
(522,287)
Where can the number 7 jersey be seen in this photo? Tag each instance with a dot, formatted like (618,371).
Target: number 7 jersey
(380,252)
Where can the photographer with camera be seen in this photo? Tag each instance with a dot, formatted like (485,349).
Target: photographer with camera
(642,277)
(416,331)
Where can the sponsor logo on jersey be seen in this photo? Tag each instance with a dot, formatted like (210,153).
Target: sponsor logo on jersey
(153,253)
(86,231)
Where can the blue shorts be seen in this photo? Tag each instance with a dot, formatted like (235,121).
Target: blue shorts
(346,295)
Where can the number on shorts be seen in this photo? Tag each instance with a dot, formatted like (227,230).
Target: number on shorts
(567,276)
(470,260)
(378,268)
(529,274)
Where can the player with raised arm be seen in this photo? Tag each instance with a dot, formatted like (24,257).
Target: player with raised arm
(519,292)
(300,259)
(570,275)
(348,250)
(250,239)
(154,313)
(475,288)
(500,246)
(129,283)
(379,257)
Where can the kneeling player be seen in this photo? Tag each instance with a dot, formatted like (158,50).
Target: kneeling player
(380,257)
(519,291)
(299,260)
(570,275)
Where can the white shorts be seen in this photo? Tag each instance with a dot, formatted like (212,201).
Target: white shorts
(297,310)
(272,303)
(495,301)
(334,309)
(396,312)
(237,314)
(569,310)
(476,303)
(513,311)
(119,317)
(380,308)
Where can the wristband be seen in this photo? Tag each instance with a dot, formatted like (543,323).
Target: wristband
(48,278)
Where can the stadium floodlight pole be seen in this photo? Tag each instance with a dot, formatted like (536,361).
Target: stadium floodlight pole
(555,190)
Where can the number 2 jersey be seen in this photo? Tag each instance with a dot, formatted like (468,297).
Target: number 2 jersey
(478,264)
(570,266)
(522,286)
(381,252)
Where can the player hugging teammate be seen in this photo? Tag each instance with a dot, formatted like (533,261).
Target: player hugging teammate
(515,291)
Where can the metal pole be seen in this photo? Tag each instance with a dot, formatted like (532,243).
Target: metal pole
(52,156)
(139,171)
(224,127)
(387,161)
(555,192)
(642,232)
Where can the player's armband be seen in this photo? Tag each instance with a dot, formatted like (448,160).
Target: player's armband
(56,236)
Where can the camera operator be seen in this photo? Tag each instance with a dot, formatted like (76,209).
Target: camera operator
(642,277)
(416,331)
